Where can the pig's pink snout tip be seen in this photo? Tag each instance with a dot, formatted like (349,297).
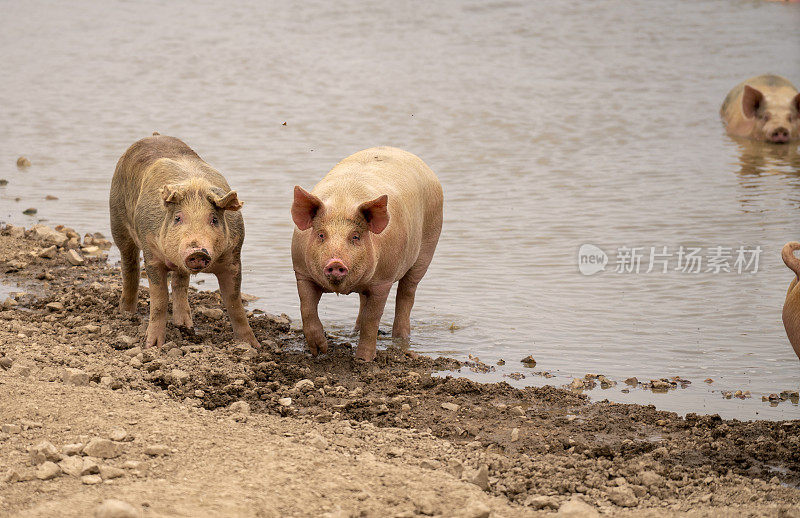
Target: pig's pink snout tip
(198,260)
(780,135)
(335,270)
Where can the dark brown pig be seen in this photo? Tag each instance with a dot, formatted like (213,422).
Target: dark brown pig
(763,108)
(791,308)
(373,220)
(181,213)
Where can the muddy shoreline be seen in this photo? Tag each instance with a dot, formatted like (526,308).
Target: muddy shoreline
(532,450)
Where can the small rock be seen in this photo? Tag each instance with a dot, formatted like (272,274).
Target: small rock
(451,406)
(541,502)
(48,470)
(30,211)
(632,381)
(211,313)
(118,434)
(157,449)
(72,466)
(518,411)
(575,508)
(179,377)
(529,361)
(50,197)
(74,258)
(240,407)
(23,162)
(131,464)
(514,434)
(11,428)
(481,477)
(48,235)
(75,377)
(6,362)
(103,448)
(109,472)
(91,480)
(317,441)
(43,451)
(305,385)
(55,306)
(285,401)
(651,479)
(455,467)
(115,509)
(90,466)
(175,352)
(623,497)
(49,252)
(72,449)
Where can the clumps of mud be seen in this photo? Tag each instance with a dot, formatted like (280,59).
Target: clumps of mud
(537,447)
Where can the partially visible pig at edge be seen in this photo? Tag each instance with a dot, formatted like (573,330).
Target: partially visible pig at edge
(763,108)
(373,220)
(181,213)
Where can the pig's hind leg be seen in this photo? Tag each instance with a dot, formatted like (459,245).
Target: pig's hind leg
(130,271)
(406,292)
(181,313)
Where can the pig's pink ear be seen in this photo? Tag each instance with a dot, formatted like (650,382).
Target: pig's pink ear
(304,208)
(751,101)
(170,194)
(229,202)
(376,213)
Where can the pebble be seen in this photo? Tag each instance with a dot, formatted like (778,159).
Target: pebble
(541,502)
(55,306)
(305,385)
(6,362)
(316,440)
(23,162)
(211,313)
(72,449)
(49,252)
(115,509)
(102,448)
(180,377)
(632,381)
(651,479)
(74,377)
(30,211)
(10,428)
(72,466)
(109,472)
(175,352)
(481,477)
(118,434)
(623,497)
(48,470)
(44,451)
(529,361)
(91,480)
(241,407)
(451,406)
(90,466)
(575,508)
(285,401)
(131,464)
(74,258)
(455,467)
(518,410)
(157,449)
(514,434)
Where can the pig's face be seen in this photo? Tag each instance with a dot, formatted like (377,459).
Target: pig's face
(775,120)
(340,248)
(195,231)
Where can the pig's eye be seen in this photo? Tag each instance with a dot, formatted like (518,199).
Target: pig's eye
(214,221)
(355,238)
(178,219)
(321,236)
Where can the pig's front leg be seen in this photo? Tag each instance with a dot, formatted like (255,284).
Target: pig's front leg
(181,313)
(159,300)
(369,320)
(229,277)
(310,293)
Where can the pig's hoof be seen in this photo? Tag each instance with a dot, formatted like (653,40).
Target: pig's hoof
(125,307)
(367,356)
(184,322)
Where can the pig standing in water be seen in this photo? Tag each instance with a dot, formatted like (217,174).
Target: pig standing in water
(373,220)
(181,213)
(763,108)
(791,308)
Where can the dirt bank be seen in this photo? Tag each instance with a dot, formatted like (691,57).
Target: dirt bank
(209,427)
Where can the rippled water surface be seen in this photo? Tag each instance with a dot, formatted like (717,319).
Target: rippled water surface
(550,125)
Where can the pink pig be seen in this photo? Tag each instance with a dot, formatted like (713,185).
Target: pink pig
(374,219)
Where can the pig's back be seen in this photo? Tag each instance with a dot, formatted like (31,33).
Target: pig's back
(411,185)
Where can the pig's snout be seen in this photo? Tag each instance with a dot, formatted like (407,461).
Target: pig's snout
(779,136)
(198,259)
(335,271)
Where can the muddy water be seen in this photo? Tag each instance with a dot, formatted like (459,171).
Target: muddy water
(550,126)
